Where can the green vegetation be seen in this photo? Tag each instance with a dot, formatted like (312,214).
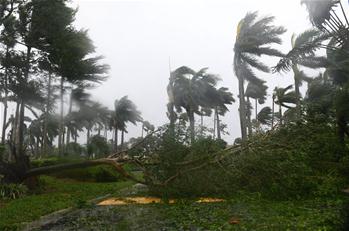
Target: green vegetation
(54,194)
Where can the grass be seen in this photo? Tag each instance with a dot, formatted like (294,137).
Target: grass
(253,213)
(56,195)
(250,212)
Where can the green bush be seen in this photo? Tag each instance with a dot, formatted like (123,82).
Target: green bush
(12,191)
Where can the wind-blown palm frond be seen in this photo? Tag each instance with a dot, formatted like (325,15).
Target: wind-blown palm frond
(303,50)
(265,116)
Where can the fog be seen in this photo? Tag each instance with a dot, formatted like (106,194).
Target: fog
(139,38)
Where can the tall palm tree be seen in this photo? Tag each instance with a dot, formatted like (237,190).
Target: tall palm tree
(125,111)
(253,39)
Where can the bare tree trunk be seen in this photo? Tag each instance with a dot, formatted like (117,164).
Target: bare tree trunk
(242,109)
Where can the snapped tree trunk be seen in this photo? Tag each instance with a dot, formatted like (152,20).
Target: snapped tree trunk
(242,109)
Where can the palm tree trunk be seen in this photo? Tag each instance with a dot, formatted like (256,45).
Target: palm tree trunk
(3,135)
(242,109)
(122,140)
(249,123)
(88,136)
(116,140)
(202,125)
(218,126)
(172,120)
(298,94)
(256,108)
(142,129)
(280,113)
(272,114)
(214,123)
(22,160)
(60,136)
(70,110)
(47,109)
(192,125)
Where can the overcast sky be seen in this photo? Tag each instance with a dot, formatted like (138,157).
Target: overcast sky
(138,37)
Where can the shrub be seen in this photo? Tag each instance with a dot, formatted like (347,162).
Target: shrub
(12,191)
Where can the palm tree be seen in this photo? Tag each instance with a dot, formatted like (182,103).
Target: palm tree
(309,60)
(283,97)
(125,111)
(258,92)
(265,116)
(192,91)
(252,40)
(220,106)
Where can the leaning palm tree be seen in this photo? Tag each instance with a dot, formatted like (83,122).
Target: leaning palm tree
(125,111)
(284,97)
(253,39)
(264,116)
(309,60)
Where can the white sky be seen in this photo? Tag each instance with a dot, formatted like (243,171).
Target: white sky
(138,37)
